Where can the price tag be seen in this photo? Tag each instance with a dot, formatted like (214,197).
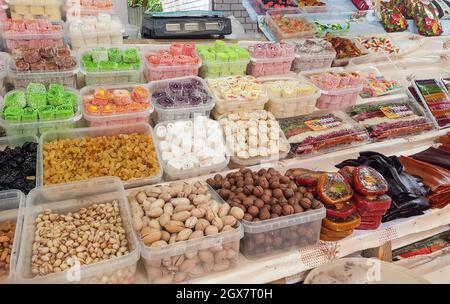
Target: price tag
(396,111)
(322,123)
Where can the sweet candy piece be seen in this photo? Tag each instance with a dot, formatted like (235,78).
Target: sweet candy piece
(121,97)
(16,99)
(332,188)
(369,182)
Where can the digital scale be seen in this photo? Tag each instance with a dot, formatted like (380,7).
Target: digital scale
(185,24)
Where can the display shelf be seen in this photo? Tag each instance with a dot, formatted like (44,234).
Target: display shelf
(291,264)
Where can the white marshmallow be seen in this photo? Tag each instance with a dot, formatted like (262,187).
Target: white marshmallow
(164,146)
(243,154)
(253,152)
(175,164)
(161,132)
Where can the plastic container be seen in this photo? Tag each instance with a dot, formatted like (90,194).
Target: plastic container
(16,141)
(153,258)
(172,174)
(262,8)
(289,13)
(322,133)
(260,67)
(140,128)
(20,80)
(154,72)
(36,128)
(365,56)
(180,112)
(331,18)
(12,203)
(272,236)
(71,197)
(310,61)
(4,58)
(116,118)
(15,40)
(35,9)
(315,9)
(80,39)
(74,9)
(389,119)
(131,31)
(119,77)
(282,107)
(226,105)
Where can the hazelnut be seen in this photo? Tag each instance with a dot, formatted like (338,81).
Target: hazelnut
(233,188)
(226,184)
(277,193)
(258,191)
(268,192)
(248,181)
(264,214)
(275,185)
(288,193)
(263,183)
(245,170)
(266,198)
(240,183)
(218,177)
(287,210)
(248,217)
(276,209)
(253,210)
(306,203)
(259,203)
(298,209)
(273,171)
(211,182)
(224,193)
(232,181)
(261,172)
(248,189)
(285,180)
(247,202)
(241,196)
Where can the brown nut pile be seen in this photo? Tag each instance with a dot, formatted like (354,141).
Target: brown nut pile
(7,230)
(167,214)
(125,156)
(264,194)
(89,236)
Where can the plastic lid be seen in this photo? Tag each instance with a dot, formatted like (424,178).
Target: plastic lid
(13,35)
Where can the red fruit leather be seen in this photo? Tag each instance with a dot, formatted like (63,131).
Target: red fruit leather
(361,5)
(368,181)
(309,179)
(333,189)
(341,210)
(378,203)
(370,223)
(364,212)
(347,173)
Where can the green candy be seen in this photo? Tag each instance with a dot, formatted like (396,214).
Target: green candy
(115,54)
(16,99)
(137,65)
(107,66)
(86,57)
(36,88)
(36,100)
(99,54)
(64,112)
(46,113)
(70,98)
(130,56)
(122,66)
(91,66)
(29,115)
(54,87)
(12,114)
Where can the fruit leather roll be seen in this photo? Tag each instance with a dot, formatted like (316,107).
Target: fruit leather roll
(331,235)
(369,182)
(372,203)
(337,224)
(364,212)
(347,173)
(431,91)
(434,156)
(341,210)
(433,176)
(332,188)
(370,223)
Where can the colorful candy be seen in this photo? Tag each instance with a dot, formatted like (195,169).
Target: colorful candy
(270,59)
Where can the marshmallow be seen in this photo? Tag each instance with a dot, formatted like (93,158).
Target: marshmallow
(161,132)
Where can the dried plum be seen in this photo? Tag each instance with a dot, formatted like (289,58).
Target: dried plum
(18,167)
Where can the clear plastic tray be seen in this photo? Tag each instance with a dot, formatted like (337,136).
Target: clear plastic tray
(20,80)
(261,8)
(154,72)
(335,99)
(35,9)
(260,67)
(283,233)
(283,107)
(315,9)
(71,197)
(14,40)
(395,93)
(75,11)
(4,57)
(378,131)
(306,62)
(226,106)
(40,126)
(19,140)
(153,257)
(221,69)
(445,105)
(365,56)
(177,113)
(140,128)
(12,203)
(172,174)
(290,13)
(110,37)
(116,118)
(335,137)
(119,77)
(236,162)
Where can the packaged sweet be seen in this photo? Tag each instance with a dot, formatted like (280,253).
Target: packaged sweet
(340,225)
(179,60)
(329,235)
(379,44)
(332,189)
(341,210)
(426,18)
(312,54)
(393,19)
(308,179)
(363,5)
(378,85)
(370,222)
(433,94)
(312,133)
(337,28)
(35,9)
(390,119)
(288,24)
(345,48)
(270,58)
(372,203)
(347,173)
(276,4)
(367,181)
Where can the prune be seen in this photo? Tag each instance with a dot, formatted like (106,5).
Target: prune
(18,167)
